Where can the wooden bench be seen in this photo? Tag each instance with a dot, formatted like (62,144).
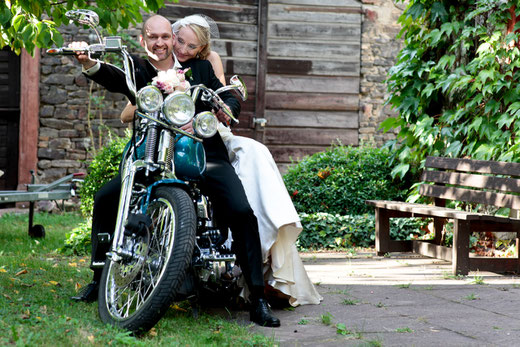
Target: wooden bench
(473,181)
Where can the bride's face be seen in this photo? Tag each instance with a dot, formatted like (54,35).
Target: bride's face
(186,44)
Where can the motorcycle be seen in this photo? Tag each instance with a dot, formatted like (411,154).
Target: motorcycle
(167,245)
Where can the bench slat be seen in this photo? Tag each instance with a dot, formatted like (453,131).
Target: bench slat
(476,196)
(470,180)
(470,165)
(423,210)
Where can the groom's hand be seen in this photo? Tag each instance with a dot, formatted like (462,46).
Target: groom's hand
(81,56)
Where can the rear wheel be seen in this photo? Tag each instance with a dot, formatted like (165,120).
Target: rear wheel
(136,291)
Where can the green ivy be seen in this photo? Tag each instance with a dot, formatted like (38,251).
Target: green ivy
(324,230)
(455,84)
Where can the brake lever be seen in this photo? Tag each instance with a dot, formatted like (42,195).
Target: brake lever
(217,103)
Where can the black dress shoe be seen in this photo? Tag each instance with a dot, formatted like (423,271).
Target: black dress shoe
(261,314)
(89,293)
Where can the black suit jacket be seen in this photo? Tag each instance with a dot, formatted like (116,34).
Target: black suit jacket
(113,79)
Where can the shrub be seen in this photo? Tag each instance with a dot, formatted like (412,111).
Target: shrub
(339,180)
(104,166)
(78,240)
(324,230)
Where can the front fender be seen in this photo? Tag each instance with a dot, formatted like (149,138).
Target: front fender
(164,182)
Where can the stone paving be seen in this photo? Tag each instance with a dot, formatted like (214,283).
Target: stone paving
(400,300)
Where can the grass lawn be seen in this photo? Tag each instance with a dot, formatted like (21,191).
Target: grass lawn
(37,282)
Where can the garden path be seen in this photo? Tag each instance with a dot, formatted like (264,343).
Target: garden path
(400,300)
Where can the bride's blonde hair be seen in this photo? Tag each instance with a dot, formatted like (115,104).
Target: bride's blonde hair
(204,28)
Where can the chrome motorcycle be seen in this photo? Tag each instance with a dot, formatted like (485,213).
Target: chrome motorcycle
(166,245)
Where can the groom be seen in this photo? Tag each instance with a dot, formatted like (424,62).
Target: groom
(220,182)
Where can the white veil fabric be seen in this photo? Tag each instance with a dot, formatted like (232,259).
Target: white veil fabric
(198,19)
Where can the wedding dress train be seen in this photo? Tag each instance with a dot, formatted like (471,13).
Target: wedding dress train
(278,222)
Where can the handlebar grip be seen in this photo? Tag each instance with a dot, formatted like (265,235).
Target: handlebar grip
(65,51)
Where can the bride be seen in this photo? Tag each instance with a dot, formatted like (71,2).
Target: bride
(278,221)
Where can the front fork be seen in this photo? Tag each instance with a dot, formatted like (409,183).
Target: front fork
(127,184)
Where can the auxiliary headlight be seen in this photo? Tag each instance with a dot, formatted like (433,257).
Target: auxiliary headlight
(205,124)
(149,99)
(178,108)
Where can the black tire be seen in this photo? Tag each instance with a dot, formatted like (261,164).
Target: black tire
(161,272)
(37,231)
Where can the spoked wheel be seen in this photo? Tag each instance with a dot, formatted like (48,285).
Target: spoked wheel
(136,291)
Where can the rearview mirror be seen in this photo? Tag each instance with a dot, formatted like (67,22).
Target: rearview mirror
(86,17)
(240,86)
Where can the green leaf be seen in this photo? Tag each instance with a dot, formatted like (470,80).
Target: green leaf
(438,12)
(389,123)
(415,11)
(5,17)
(19,20)
(400,170)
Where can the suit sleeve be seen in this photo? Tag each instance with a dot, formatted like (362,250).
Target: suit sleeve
(113,79)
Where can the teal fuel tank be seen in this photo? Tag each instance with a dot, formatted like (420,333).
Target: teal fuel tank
(189,159)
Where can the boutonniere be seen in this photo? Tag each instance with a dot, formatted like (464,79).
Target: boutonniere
(188,73)
(172,80)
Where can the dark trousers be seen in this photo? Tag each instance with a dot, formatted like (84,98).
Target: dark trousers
(227,194)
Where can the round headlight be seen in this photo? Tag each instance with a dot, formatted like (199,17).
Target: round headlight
(149,99)
(205,124)
(178,108)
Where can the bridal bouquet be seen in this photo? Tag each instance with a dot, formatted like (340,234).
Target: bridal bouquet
(172,80)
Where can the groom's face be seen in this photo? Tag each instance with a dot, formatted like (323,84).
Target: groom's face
(157,38)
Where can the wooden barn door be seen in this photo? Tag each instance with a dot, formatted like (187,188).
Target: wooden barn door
(312,82)
(300,60)
(9,118)
(237,21)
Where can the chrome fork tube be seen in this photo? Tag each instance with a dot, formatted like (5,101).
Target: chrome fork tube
(127,184)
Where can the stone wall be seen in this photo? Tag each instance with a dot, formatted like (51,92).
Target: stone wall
(379,47)
(66,137)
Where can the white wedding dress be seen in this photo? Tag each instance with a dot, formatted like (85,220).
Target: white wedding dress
(278,222)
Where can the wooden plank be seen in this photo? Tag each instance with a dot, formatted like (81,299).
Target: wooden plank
(202,3)
(230,14)
(291,153)
(310,66)
(261,72)
(470,180)
(335,3)
(481,197)
(498,265)
(315,31)
(311,136)
(422,210)
(231,48)
(341,51)
(240,66)
(333,85)
(471,165)
(432,250)
(281,12)
(238,31)
(312,101)
(312,119)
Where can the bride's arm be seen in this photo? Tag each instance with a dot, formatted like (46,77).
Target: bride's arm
(217,65)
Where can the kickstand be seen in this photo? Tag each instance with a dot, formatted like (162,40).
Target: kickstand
(195,307)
